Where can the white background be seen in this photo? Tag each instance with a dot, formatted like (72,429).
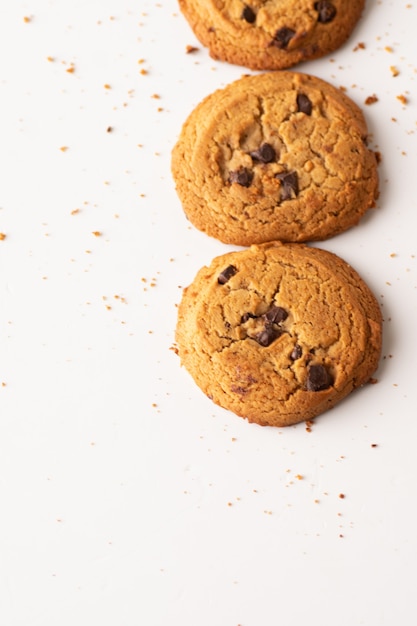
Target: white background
(126,497)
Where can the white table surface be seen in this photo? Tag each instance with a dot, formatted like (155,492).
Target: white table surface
(127,497)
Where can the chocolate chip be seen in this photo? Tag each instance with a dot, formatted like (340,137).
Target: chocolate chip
(318,378)
(289,182)
(248,14)
(226,274)
(304,104)
(276,315)
(247,316)
(296,353)
(242,176)
(265,153)
(268,335)
(326,11)
(283,37)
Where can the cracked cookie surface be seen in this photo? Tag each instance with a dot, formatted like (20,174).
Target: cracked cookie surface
(278,333)
(271,34)
(281,155)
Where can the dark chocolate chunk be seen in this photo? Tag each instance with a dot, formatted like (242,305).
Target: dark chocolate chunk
(276,314)
(283,37)
(304,104)
(226,274)
(248,14)
(289,182)
(265,153)
(296,353)
(268,335)
(318,378)
(242,176)
(326,11)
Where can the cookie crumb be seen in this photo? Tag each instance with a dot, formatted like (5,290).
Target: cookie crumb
(394,70)
(3,236)
(371,100)
(190,49)
(403,99)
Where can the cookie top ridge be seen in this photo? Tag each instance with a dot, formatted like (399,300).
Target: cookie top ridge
(280,155)
(271,34)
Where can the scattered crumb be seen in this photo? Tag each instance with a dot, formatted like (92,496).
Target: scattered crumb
(27,19)
(373,381)
(70,70)
(190,49)
(3,236)
(109,129)
(360,46)
(403,99)
(342,496)
(64,148)
(299,476)
(107,86)
(97,233)
(394,70)
(374,445)
(371,99)
(155,96)
(388,49)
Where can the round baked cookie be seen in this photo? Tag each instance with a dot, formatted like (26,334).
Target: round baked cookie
(279,155)
(271,34)
(278,333)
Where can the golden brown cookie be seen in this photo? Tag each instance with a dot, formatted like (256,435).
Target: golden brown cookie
(271,34)
(280,155)
(278,333)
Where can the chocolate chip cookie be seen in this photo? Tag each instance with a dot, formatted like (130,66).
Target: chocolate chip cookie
(280,155)
(272,34)
(278,333)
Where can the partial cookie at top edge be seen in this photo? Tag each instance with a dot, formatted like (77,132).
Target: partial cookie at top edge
(271,35)
(280,155)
